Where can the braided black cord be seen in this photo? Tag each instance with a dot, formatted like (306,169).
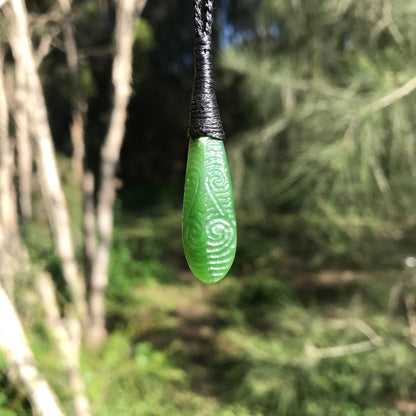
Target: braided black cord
(204,116)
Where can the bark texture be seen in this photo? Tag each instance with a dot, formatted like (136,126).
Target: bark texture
(23,145)
(9,235)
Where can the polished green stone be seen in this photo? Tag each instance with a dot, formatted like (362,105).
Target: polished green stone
(209,231)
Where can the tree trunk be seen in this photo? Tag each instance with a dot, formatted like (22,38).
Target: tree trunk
(89,223)
(122,69)
(21,361)
(79,111)
(9,238)
(68,349)
(79,105)
(24,150)
(47,167)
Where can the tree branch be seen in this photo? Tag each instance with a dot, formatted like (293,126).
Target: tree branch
(373,342)
(390,98)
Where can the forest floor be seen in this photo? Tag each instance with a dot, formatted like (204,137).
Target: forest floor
(270,339)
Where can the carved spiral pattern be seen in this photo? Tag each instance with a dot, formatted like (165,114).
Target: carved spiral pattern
(209,225)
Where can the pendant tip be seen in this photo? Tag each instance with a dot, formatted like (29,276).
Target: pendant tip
(210,278)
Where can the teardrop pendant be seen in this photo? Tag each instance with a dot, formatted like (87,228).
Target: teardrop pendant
(209,231)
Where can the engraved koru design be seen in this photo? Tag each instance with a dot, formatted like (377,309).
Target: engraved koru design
(209,225)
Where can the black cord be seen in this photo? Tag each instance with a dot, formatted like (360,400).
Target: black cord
(204,116)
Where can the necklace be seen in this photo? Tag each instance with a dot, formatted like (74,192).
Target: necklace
(209,231)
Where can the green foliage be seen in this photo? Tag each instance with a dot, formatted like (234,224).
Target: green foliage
(13,401)
(260,358)
(3,410)
(87,81)
(321,94)
(282,376)
(143,44)
(143,34)
(5,399)
(245,347)
(136,261)
(332,96)
(128,380)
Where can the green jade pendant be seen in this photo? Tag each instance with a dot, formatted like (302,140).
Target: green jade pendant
(209,230)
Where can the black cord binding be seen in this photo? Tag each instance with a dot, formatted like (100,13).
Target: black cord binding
(204,116)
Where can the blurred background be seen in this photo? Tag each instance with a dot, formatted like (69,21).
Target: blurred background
(318,313)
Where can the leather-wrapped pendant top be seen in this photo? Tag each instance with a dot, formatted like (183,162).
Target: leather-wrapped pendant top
(204,116)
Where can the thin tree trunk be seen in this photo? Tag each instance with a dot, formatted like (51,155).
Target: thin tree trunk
(24,150)
(122,69)
(9,240)
(68,350)
(79,105)
(89,223)
(20,359)
(79,111)
(47,167)
(13,343)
